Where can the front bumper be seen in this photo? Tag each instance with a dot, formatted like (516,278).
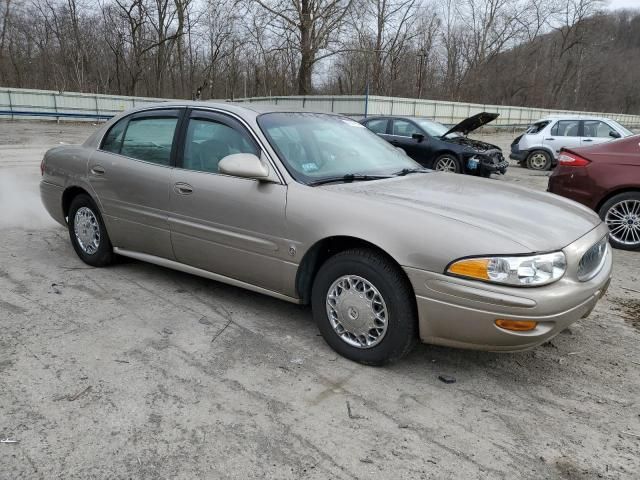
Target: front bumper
(461,313)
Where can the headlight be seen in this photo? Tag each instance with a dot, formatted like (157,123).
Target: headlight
(529,271)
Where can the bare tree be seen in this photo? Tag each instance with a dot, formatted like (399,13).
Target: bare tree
(315,25)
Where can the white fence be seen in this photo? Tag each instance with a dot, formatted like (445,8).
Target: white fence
(22,104)
(448,113)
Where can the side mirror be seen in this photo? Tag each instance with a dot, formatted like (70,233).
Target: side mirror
(418,137)
(614,134)
(245,165)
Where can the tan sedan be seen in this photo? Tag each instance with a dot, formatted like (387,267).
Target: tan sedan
(315,209)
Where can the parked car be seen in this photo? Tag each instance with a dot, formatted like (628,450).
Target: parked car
(539,146)
(605,178)
(441,148)
(315,209)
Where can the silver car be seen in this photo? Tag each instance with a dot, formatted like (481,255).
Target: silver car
(315,209)
(539,146)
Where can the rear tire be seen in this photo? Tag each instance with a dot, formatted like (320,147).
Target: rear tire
(621,213)
(87,232)
(364,307)
(539,160)
(447,163)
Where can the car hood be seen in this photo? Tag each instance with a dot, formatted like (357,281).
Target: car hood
(475,145)
(537,221)
(472,123)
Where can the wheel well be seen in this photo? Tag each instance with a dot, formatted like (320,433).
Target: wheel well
(540,149)
(610,195)
(446,152)
(320,252)
(68,195)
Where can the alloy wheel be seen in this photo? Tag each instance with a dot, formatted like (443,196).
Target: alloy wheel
(623,220)
(446,164)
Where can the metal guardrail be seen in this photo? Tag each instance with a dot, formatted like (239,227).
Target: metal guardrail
(25,103)
(18,113)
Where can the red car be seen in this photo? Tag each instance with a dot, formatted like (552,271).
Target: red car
(605,178)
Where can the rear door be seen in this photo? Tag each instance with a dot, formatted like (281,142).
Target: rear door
(565,133)
(596,131)
(227,225)
(130,175)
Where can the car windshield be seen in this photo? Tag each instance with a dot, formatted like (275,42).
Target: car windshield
(434,129)
(316,147)
(626,132)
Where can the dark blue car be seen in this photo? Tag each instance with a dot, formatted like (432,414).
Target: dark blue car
(435,146)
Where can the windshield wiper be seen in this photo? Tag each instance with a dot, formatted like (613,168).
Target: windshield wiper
(348,178)
(407,171)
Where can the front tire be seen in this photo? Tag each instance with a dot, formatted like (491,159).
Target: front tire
(621,213)
(447,163)
(88,234)
(364,307)
(539,160)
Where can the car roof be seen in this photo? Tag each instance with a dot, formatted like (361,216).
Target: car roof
(572,117)
(392,117)
(235,107)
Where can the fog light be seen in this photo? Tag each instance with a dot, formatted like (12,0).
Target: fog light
(516,325)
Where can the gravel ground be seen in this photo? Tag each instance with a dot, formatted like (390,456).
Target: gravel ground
(136,371)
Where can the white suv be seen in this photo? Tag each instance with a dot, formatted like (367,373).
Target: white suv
(539,146)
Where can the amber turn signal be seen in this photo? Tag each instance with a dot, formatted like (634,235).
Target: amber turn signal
(516,325)
(472,267)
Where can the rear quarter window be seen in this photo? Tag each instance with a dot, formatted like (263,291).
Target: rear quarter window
(537,127)
(112,141)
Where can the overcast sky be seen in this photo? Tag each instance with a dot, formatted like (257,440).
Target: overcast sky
(624,4)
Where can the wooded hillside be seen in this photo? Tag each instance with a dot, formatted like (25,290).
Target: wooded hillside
(545,53)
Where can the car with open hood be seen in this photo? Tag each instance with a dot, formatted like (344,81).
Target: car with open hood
(314,209)
(441,148)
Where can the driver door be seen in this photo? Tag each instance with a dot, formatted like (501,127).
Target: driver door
(227,225)
(401,136)
(596,131)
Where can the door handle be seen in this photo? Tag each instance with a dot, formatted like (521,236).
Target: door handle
(97,170)
(549,138)
(587,140)
(183,188)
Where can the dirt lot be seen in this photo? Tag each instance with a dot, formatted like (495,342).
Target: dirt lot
(136,371)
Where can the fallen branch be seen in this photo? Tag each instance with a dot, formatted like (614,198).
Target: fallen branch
(73,398)
(630,289)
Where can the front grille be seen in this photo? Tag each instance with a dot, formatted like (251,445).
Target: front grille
(592,261)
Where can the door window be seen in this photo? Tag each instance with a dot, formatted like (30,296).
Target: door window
(596,128)
(149,139)
(566,128)
(207,142)
(403,128)
(378,126)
